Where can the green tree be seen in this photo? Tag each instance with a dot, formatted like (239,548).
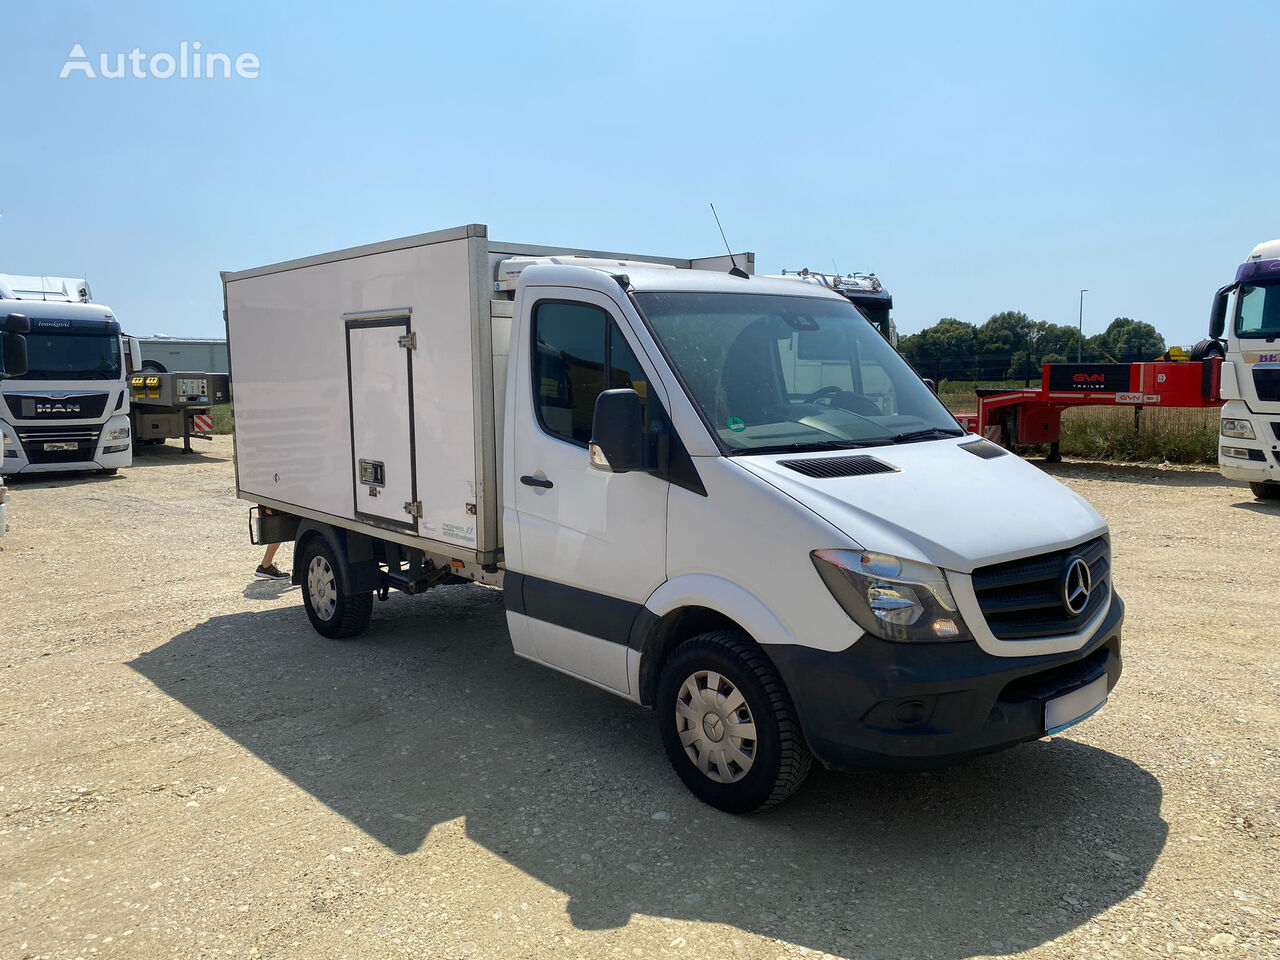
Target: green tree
(1126,339)
(941,347)
(1005,332)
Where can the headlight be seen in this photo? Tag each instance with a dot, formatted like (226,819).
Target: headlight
(1240,429)
(119,433)
(891,598)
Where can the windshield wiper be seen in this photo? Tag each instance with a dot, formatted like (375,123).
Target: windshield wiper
(931,433)
(806,447)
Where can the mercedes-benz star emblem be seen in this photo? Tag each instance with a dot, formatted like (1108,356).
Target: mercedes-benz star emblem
(1076,586)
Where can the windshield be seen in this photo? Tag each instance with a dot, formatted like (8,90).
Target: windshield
(779,373)
(57,355)
(1258,311)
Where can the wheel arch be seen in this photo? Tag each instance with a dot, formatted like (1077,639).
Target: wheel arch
(690,605)
(357,568)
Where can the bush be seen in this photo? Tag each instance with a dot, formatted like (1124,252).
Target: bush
(1173,435)
(224,418)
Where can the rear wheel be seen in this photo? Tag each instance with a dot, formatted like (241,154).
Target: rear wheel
(728,724)
(333,613)
(1265,490)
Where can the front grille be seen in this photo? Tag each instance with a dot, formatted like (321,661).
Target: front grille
(1023,599)
(33,441)
(1267,382)
(826,468)
(64,406)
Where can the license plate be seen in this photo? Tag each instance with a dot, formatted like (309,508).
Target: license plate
(60,446)
(1070,708)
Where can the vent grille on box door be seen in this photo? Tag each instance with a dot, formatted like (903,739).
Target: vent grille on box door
(829,467)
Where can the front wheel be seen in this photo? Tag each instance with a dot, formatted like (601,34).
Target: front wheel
(333,613)
(1265,490)
(728,724)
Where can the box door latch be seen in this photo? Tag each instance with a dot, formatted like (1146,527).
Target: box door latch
(409,341)
(413,508)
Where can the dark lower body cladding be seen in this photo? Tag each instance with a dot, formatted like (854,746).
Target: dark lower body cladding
(915,706)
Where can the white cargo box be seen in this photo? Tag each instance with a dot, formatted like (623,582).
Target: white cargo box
(369,384)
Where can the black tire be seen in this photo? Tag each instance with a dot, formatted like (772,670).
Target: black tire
(334,614)
(779,757)
(110,471)
(1265,490)
(1207,348)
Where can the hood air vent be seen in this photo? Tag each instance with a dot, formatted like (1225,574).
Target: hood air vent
(984,449)
(827,468)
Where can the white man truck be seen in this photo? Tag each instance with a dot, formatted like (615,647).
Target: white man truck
(621,444)
(70,409)
(13,363)
(1247,311)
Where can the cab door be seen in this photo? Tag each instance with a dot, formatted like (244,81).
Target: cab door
(591,544)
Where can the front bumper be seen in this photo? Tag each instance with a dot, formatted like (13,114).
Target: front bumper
(1255,460)
(90,454)
(914,706)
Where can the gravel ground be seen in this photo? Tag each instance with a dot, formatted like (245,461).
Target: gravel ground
(188,770)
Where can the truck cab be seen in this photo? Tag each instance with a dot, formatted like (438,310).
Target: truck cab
(13,363)
(70,409)
(863,290)
(1246,313)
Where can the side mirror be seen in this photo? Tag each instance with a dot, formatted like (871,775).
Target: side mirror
(931,385)
(1218,313)
(135,354)
(13,351)
(617,432)
(13,363)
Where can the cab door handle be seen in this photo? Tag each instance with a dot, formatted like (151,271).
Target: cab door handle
(542,482)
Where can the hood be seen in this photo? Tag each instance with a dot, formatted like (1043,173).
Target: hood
(941,504)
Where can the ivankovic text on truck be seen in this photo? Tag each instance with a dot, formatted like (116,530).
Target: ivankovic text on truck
(722,496)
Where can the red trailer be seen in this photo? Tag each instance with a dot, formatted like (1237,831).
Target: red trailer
(1034,415)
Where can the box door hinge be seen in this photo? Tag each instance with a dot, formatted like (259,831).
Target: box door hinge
(413,508)
(409,341)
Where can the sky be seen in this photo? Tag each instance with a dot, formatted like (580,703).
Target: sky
(977,157)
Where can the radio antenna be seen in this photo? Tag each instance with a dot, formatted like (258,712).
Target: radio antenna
(736,271)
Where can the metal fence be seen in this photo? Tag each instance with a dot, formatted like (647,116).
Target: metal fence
(1001,366)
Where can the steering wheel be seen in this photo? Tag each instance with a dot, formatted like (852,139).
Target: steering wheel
(843,399)
(830,391)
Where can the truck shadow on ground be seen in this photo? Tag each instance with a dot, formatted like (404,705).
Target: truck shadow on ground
(172,454)
(1137,473)
(431,717)
(49,481)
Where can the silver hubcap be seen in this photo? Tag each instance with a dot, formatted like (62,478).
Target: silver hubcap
(716,727)
(322,588)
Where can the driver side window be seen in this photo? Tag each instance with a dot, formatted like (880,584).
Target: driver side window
(573,345)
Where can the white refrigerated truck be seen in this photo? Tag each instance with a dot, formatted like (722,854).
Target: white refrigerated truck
(621,444)
(1249,444)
